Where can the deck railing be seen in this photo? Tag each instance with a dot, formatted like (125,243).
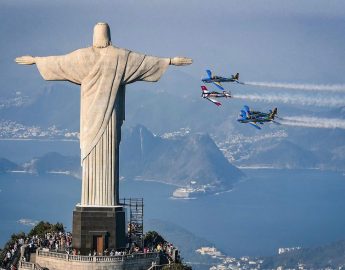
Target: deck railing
(27,265)
(81,258)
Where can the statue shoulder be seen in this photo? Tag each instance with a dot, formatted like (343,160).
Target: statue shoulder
(81,51)
(119,51)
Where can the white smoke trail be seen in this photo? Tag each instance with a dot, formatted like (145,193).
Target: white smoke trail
(295,99)
(295,86)
(314,122)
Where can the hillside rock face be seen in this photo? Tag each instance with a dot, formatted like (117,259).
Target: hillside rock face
(282,154)
(54,162)
(175,161)
(6,165)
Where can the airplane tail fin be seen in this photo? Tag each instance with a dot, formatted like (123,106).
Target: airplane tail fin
(209,73)
(274,113)
(243,114)
(204,91)
(236,76)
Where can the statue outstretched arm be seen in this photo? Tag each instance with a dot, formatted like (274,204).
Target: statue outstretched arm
(180,61)
(70,67)
(25,60)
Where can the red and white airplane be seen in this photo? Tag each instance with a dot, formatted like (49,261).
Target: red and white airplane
(212,96)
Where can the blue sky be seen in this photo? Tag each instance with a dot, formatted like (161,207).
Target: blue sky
(276,41)
(299,41)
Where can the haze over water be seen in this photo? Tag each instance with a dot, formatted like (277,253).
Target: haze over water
(270,209)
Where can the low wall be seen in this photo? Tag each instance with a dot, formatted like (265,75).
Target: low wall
(60,261)
(26,266)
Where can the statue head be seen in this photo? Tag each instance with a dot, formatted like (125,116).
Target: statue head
(101,35)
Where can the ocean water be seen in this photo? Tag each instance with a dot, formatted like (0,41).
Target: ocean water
(269,209)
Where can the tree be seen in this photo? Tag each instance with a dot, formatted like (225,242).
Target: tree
(152,239)
(44,227)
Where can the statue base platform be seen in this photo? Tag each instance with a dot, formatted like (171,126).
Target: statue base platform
(63,261)
(98,228)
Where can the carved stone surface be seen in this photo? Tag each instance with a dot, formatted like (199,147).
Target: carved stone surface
(102,71)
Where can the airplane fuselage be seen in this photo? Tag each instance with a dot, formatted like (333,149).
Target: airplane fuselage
(255,120)
(256,117)
(217,79)
(217,95)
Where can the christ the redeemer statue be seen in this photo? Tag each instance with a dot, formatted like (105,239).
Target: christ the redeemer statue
(102,70)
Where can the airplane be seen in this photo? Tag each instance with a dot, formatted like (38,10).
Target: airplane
(255,117)
(211,96)
(217,79)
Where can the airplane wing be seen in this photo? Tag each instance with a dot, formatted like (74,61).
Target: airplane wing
(254,125)
(219,85)
(239,82)
(214,101)
(209,73)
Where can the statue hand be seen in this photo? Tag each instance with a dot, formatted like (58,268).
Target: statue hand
(181,61)
(25,60)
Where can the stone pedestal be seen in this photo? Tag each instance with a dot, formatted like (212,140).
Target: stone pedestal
(98,228)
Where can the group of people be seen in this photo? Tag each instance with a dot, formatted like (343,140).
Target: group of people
(10,254)
(107,253)
(169,250)
(54,241)
(62,242)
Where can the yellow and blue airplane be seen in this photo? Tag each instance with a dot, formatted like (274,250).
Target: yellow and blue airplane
(217,80)
(254,117)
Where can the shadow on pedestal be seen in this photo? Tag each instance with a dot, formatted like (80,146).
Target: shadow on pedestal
(98,228)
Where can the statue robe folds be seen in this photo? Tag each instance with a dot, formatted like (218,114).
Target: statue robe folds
(102,74)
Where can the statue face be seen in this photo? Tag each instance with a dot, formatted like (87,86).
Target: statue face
(101,35)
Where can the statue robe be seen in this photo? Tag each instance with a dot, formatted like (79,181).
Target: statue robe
(102,74)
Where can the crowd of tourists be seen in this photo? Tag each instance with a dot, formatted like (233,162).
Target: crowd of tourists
(54,241)
(168,250)
(10,255)
(62,242)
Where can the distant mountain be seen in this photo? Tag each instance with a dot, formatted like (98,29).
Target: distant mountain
(330,256)
(282,154)
(327,145)
(55,104)
(176,161)
(185,241)
(54,163)
(6,165)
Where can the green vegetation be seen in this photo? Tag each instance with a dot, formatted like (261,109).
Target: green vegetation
(44,227)
(152,239)
(40,229)
(9,244)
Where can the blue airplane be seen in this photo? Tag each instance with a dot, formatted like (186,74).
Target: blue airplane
(218,79)
(255,117)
